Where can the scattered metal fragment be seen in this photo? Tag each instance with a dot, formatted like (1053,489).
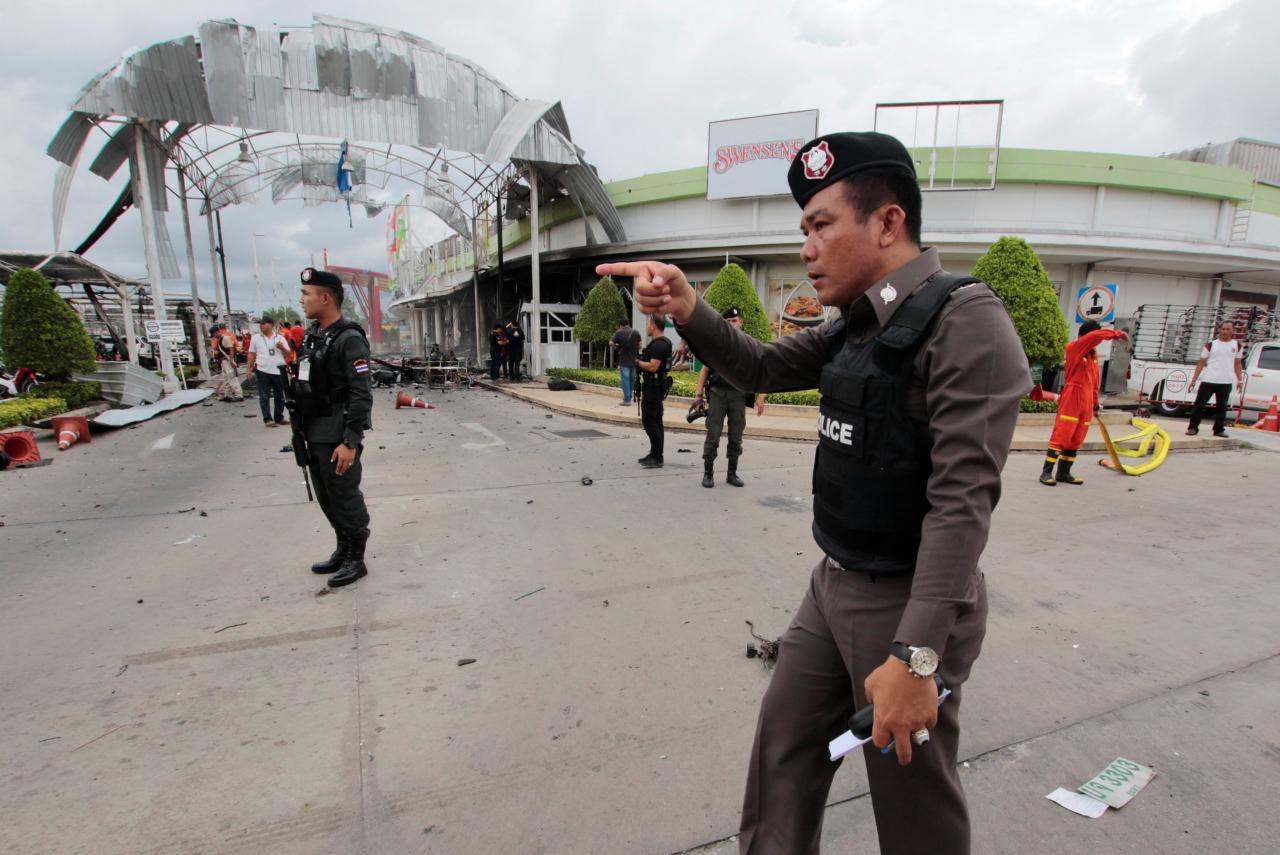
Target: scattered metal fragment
(530,594)
(587,482)
(123,668)
(462,662)
(230,626)
(50,738)
(96,738)
(684,451)
(768,652)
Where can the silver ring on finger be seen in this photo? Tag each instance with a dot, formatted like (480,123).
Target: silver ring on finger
(921,736)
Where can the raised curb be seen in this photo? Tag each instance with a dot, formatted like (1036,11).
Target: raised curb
(1031,434)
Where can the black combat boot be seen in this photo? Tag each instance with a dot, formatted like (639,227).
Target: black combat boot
(353,567)
(334,561)
(1046,474)
(708,473)
(1064,475)
(732,478)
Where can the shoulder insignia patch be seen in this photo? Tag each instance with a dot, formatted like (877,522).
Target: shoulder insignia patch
(361,366)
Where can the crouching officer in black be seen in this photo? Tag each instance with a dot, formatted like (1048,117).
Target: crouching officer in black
(333,399)
(724,401)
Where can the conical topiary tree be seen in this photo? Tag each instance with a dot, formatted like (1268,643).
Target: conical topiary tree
(732,287)
(40,331)
(1012,268)
(598,318)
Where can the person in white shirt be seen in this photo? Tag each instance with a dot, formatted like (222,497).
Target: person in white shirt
(1219,368)
(266,358)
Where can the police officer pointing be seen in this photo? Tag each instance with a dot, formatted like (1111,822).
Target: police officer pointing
(920,375)
(333,399)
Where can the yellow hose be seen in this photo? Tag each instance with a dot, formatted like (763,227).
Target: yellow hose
(1149,434)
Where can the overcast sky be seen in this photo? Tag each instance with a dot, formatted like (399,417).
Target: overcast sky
(640,80)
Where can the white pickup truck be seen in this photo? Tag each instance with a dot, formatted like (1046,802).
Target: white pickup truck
(1167,341)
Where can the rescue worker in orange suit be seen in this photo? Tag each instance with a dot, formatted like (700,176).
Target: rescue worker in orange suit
(1077,403)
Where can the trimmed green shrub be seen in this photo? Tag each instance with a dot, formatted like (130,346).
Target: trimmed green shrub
(598,319)
(76,393)
(1013,270)
(1026,405)
(21,411)
(40,331)
(732,287)
(683,385)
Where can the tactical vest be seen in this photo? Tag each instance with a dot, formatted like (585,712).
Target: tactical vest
(320,396)
(871,471)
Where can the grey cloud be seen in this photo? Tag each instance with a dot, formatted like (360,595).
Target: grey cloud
(1214,79)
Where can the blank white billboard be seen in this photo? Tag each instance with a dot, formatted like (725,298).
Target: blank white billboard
(750,157)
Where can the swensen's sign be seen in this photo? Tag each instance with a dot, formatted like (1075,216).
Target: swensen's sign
(729,156)
(750,157)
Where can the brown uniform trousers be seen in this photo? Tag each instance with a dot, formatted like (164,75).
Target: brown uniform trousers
(841,634)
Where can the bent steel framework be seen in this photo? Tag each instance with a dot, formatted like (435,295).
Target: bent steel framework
(237,110)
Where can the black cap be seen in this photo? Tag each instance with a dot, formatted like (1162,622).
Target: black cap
(824,161)
(731,312)
(322,278)
(266,319)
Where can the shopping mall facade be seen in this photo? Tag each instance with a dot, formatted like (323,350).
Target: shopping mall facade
(1167,229)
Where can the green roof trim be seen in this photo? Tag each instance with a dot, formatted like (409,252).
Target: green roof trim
(1266,199)
(971,167)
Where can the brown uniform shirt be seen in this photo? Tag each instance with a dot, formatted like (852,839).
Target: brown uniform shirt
(968,376)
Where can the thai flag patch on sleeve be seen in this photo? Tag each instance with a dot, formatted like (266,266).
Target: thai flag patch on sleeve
(361,366)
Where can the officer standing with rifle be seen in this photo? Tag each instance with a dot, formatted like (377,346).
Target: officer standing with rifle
(331,398)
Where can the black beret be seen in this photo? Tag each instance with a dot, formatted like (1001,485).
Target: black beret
(323,278)
(732,312)
(824,161)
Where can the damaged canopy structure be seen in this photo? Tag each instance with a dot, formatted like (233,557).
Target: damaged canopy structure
(338,79)
(217,106)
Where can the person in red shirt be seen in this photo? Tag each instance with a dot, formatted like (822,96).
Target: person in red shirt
(1077,403)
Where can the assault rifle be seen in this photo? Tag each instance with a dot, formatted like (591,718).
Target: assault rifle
(299,438)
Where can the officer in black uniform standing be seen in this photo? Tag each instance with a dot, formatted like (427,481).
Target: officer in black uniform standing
(515,351)
(333,399)
(724,402)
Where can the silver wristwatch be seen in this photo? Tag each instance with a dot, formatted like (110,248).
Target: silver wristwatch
(921,661)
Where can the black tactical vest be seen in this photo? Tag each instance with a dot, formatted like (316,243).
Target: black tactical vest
(325,393)
(871,471)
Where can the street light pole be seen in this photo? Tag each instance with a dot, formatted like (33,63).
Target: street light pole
(257,278)
(275,281)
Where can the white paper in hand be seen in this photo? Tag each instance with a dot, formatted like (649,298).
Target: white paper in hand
(846,742)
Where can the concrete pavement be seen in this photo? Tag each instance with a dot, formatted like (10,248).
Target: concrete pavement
(176,682)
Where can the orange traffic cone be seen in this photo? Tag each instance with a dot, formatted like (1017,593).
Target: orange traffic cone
(70,430)
(20,446)
(1039,393)
(403,400)
(1271,421)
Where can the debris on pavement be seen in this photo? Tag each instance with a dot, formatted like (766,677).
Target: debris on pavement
(230,626)
(462,662)
(1077,803)
(684,451)
(587,482)
(189,539)
(1118,783)
(123,668)
(530,594)
(768,652)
